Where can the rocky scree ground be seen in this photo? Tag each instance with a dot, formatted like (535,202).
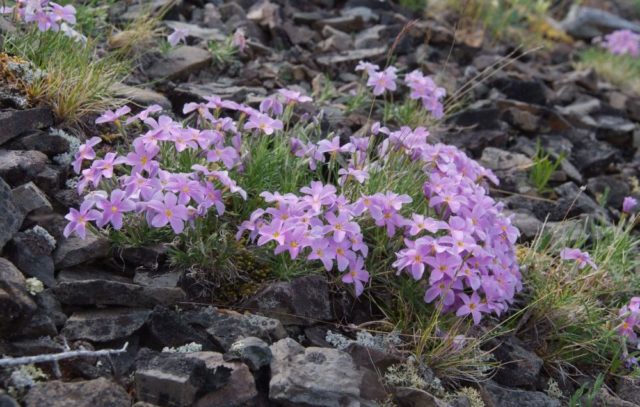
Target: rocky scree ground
(181,353)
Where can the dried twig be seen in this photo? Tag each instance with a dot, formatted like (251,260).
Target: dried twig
(52,358)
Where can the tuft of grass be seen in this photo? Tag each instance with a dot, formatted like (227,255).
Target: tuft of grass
(621,70)
(571,313)
(77,83)
(139,36)
(543,168)
(222,52)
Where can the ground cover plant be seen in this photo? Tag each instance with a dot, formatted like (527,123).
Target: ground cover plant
(447,211)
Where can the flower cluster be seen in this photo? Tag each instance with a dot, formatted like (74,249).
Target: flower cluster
(464,250)
(46,14)
(421,87)
(145,188)
(461,246)
(623,42)
(630,316)
(629,204)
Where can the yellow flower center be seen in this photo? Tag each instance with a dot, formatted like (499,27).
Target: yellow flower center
(169,213)
(114,209)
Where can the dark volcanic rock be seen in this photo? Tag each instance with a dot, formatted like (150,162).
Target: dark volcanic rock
(43,141)
(31,253)
(15,302)
(307,376)
(18,167)
(252,351)
(73,250)
(532,91)
(498,396)
(179,63)
(15,122)
(10,216)
(519,366)
(92,393)
(298,301)
(615,188)
(28,198)
(104,325)
(168,328)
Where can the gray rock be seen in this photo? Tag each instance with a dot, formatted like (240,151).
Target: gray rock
(238,390)
(614,187)
(590,156)
(497,396)
(143,97)
(201,33)
(51,179)
(7,401)
(73,250)
(271,326)
(522,120)
(91,393)
(319,377)
(372,358)
(252,351)
(88,289)
(148,257)
(587,22)
(15,122)
(605,399)
(168,328)
(161,279)
(177,379)
(628,388)
(300,301)
(49,305)
(502,160)
(615,130)
(10,216)
(525,222)
(15,302)
(519,366)
(42,141)
(31,253)
(228,327)
(29,198)
(410,397)
(226,89)
(179,63)
(353,56)
(372,37)
(572,202)
(104,325)
(18,167)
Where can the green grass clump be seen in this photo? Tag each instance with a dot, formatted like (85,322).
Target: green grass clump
(77,82)
(621,70)
(543,168)
(571,314)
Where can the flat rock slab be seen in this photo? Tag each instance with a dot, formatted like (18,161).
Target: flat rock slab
(179,63)
(109,292)
(18,167)
(498,396)
(16,305)
(28,198)
(91,393)
(351,56)
(15,122)
(104,325)
(10,216)
(142,96)
(319,377)
(74,250)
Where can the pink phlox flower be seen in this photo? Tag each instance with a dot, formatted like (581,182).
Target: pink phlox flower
(114,208)
(340,226)
(85,152)
(110,116)
(472,305)
(63,13)
(78,219)
(275,231)
(367,67)
(356,275)
(582,259)
(623,42)
(144,114)
(292,96)
(271,105)
(318,194)
(629,204)
(383,81)
(239,40)
(352,173)
(178,35)
(263,123)
(168,211)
